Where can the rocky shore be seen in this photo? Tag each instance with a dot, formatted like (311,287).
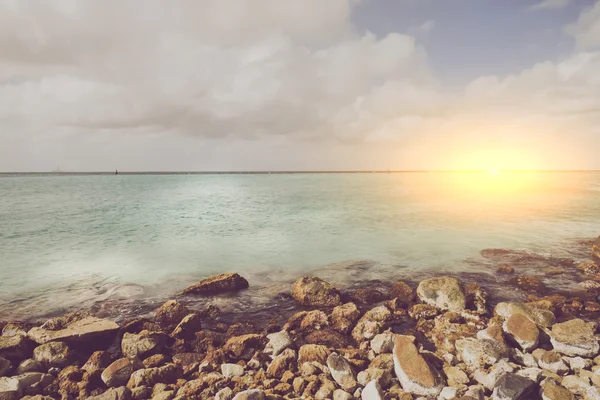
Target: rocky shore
(440,338)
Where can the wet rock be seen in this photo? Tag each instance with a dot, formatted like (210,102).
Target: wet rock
(477,298)
(10,389)
(530,283)
(414,373)
(16,347)
(373,322)
(121,393)
(383,343)
(244,346)
(151,376)
(53,354)
(29,365)
(596,249)
(505,269)
(523,331)
(118,373)
(188,326)
(222,283)
(445,293)
(278,342)
(514,387)
(575,338)
(341,371)
(312,291)
(170,314)
(367,296)
(479,353)
(344,317)
(540,317)
(372,391)
(313,352)
(252,394)
(86,330)
(143,344)
(403,292)
(97,361)
(550,390)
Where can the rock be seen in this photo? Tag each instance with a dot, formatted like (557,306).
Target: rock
(589,268)
(575,338)
(282,363)
(11,329)
(590,285)
(514,387)
(155,361)
(403,292)
(224,394)
(530,283)
(5,366)
(479,353)
(313,352)
(490,379)
(383,343)
(278,342)
(523,331)
(315,319)
(344,317)
(341,371)
(188,326)
(53,354)
(505,269)
(540,317)
(477,298)
(29,365)
(552,361)
(339,394)
(151,376)
(550,390)
(535,374)
(143,344)
(16,347)
(118,373)
(312,291)
(373,322)
(252,394)
(10,389)
(383,361)
(456,376)
(577,363)
(445,293)
(222,283)
(170,314)
(231,370)
(596,249)
(576,385)
(367,296)
(244,346)
(382,376)
(414,373)
(121,393)
(87,330)
(97,361)
(448,393)
(327,338)
(422,311)
(372,391)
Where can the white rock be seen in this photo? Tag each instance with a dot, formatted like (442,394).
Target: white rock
(383,343)
(278,342)
(232,370)
(372,391)
(578,363)
(10,389)
(477,392)
(535,374)
(480,353)
(489,379)
(448,393)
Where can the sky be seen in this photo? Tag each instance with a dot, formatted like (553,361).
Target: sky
(229,85)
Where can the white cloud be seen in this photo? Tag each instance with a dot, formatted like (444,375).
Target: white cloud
(587,28)
(550,4)
(427,26)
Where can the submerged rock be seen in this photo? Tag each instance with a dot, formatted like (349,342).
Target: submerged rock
(444,292)
(414,373)
(88,330)
(313,291)
(575,338)
(222,283)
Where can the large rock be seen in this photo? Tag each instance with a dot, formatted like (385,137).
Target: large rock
(414,373)
(222,283)
(170,314)
(187,328)
(575,338)
(341,371)
(444,292)
(523,331)
(244,346)
(313,291)
(313,352)
(372,323)
(343,317)
(143,344)
(479,353)
(596,249)
(15,347)
(118,373)
(540,317)
(553,391)
(278,342)
(53,354)
(514,387)
(88,330)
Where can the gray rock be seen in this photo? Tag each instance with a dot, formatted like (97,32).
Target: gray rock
(341,371)
(372,322)
(535,374)
(15,347)
(339,394)
(540,317)
(278,342)
(142,345)
(514,387)
(445,293)
(448,393)
(53,354)
(86,330)
(575,338)
(30,365)
(383,343)
(479,353)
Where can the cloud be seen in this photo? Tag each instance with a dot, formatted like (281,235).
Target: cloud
(427,26)
(587,28)
(549,5)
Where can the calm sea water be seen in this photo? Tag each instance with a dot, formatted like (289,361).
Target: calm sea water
(68,240)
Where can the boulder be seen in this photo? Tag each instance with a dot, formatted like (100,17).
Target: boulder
(87,330)
(444,293)
(575,338)
(143,344)
(523,331)
(550,390)
(53,354)
(118,373)
(231,370)
(514,387)
(313,291)
(244,346)
(16,347)
(372,391)
(341,371)
(30,365)
(402,292)
(367,296)
(479,353)
(414,373)
(596,249)
(170,314)
(343,317)
(97,361)
(188,326)
(222,283)
(373,322)
(540,317)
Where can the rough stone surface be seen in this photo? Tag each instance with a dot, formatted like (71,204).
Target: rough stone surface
(445,293)
(5,366)
(523,331)
(514,387)
(313,291)
(253,394)
(121,393)
(575,338)
(479,353)
(403,292)
(383,343)
(170,314)
(414,373)
(372,391)
(188,326)
(341,371)
(596,249)
(232,370)
(278,342)
(143,344)
(53,354)
(88,330)
(550,390)
(343,317)
(222,283)
(10,389)
(540,317)
(118,373)
(372,322)
(16,347)
(313,352)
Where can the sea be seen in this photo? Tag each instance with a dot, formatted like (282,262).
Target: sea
(121,244)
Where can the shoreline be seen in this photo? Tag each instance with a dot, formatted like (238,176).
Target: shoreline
(441,337)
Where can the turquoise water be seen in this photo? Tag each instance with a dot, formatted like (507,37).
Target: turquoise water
(66,239)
